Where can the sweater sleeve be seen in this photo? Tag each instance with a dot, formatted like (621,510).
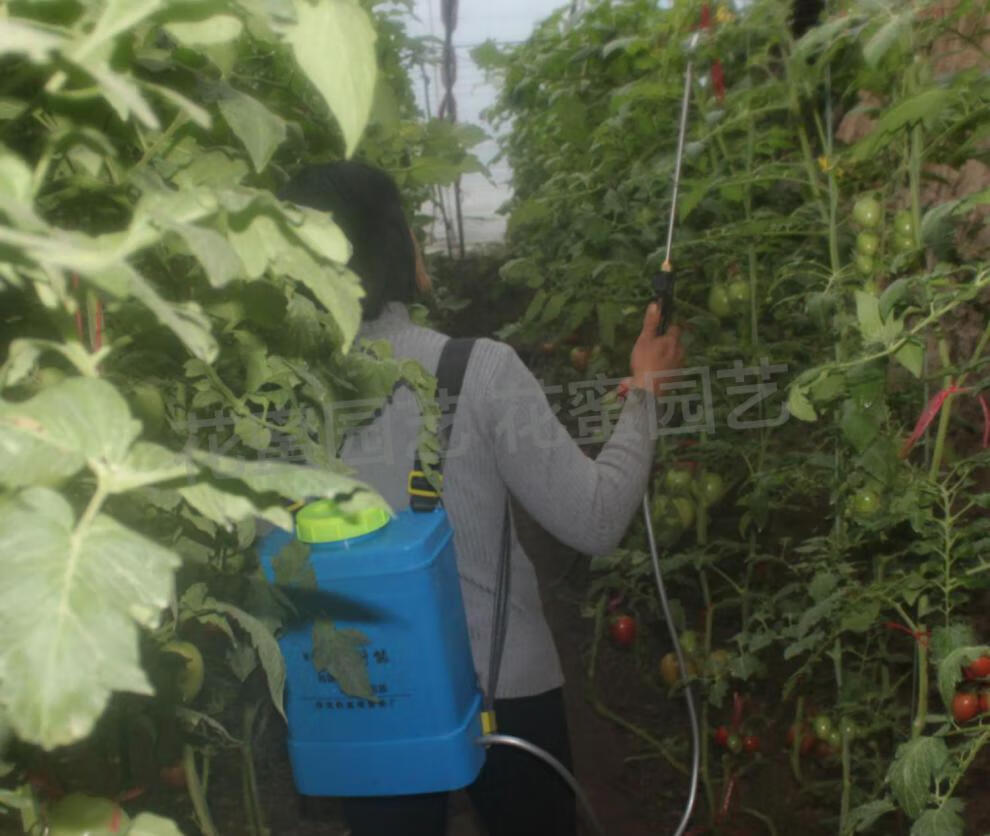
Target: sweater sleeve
(585,503)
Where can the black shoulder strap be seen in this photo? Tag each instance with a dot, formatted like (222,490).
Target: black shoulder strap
(451,367)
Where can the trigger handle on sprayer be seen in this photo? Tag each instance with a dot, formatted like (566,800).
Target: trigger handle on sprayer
(663,288)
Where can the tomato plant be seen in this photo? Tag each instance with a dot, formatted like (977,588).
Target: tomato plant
(865,281)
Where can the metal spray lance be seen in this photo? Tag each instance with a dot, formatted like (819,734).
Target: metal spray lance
(663,286)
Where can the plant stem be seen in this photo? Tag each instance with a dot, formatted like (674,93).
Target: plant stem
(945,416)
(921,715)
(196,793)
(252,801)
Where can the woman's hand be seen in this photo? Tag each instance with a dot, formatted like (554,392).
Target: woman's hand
(652,355)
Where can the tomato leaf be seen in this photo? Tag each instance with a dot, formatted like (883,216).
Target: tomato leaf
(255,125)
(916,764)
(95,582)
(863,817)
(799,406)
(52,435)
(338,28)
(859,425)
(293,567)
(947,820)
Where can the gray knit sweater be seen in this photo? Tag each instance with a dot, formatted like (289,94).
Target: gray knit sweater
(505,437)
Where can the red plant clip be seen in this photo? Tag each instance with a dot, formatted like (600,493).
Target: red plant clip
(927,416)
(717,73)
(920,636)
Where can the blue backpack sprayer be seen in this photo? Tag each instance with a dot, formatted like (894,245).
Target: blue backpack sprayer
(425,725)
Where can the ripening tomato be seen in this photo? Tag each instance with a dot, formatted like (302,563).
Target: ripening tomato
(719,302)
(751,743)
(689,642)
(965,706)
(978,668)
(623,630)
(579,358)
(866,211)
(721,736)
(548,347)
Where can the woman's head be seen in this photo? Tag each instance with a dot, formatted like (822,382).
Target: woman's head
(365,203)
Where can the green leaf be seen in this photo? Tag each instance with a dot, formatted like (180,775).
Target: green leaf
(609,315)
(318,231)
(265,644)
(218,29)
(799,406)
(859,424)
(15,177)
(911,355)
(186,319)
(73,596)
(18,37)
(868,315)
(925,107)
(861,617)
(228,509)
(145,464)
(863,817)
(211,249)
(338,652)
(334,43)
(291,481)
(947,820)
(51,436)
(255,125)
(335,287)
(946,639)
(915,766)
(885,37)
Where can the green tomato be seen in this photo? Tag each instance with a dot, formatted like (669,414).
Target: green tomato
(834,739)
(864,263)
(848,729)
(84,815)
(739,294)
(867,243)
(904,243)
(689,642)
(823,726)
(685,511)
(866,211)
(904,224)
(734,744)
(709,488)
(866,502)
(189,680)
(677,480)
(719,302)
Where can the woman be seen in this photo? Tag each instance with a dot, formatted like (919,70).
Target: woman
(505,440)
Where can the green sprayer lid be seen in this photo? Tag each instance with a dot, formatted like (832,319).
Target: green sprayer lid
(323,521)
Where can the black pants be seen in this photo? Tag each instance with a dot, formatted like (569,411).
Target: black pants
(515,795)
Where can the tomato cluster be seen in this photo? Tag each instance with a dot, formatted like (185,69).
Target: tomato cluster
(867,214)
(967,704)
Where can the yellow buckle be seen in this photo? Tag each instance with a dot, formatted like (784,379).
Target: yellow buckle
(488,724)
(416,479)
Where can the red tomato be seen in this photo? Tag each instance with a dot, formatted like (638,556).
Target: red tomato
(751,743)
(979,669)
(808,739)
(721,736)
(623,630)
(965,707)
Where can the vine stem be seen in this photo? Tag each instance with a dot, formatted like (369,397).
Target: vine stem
(196,793)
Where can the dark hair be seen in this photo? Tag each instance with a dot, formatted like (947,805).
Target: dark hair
(365,203)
